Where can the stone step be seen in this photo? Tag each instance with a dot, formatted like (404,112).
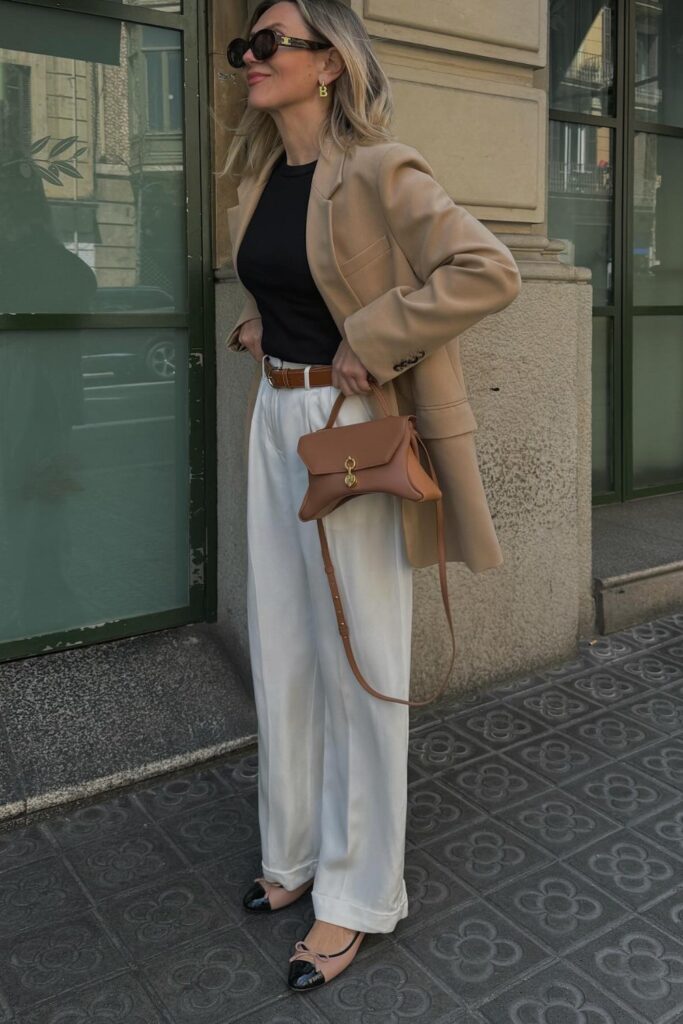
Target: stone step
(79,722)
(633,597)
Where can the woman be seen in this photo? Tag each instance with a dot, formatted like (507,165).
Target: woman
(357,265)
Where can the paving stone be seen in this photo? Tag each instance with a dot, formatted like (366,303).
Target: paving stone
(557,756)
(608,649)
(568,669)
(493,783)
(652,634)
(558,906)
(158,917)
(434,809)
(612,733)
(289,1009)
(119,1000)
(388,986)
(239,773)
(41,891)
(652,668)
(667,913)
(665,827)
(182,792)
(515,685)
(214,979)
(552,705)
(641,965)
(606,686)
(622,792)
(559,994)
(130,859)
(558,821)
(500,726)
(629,867)
(431,892)
(475,951)
(100,820)
(434,749)
(663,760)
(661,709)
(230,877)
(673,649)
(486,854)
(44,962)
(19,846)
(220,827)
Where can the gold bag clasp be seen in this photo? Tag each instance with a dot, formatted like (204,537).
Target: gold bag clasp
(349,464)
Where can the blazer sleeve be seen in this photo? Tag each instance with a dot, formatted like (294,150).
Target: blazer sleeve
(467,272)
(249,312)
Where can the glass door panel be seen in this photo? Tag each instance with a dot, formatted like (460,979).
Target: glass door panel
(659,51)
(657,218)
(657,400)
(581,200)
(94,500)
(582,39)
(92,183)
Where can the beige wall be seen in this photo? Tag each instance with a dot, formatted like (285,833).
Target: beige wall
(472,97)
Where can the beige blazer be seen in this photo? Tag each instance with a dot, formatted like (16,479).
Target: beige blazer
(404,271)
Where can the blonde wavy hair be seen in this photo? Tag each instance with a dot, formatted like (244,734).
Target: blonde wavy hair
(360,107)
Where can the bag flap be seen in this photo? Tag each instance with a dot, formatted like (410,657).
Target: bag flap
(371,443)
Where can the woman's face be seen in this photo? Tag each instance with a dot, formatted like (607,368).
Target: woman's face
(291,75)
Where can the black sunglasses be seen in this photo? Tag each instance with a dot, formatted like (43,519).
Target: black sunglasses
(264,43)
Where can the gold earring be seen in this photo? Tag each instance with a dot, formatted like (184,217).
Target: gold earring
(322,89)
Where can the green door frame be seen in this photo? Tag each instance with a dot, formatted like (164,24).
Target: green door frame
(622,311)
(198,322)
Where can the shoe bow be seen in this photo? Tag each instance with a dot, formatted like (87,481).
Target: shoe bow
(301,947)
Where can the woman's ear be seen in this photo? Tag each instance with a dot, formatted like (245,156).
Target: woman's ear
(334,65)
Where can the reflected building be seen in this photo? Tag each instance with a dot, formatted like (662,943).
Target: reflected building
(104,138)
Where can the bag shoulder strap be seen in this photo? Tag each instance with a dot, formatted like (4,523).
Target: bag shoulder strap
(339,610)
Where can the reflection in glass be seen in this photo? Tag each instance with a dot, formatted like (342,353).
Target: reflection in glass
(657,400)
(580,200)
(582,45)
(169,6)
(657,215)
(659,53)
(603,406)
(93,477)
(91,165)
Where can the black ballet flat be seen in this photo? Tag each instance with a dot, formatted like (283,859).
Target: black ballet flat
(265,898)
(305,974)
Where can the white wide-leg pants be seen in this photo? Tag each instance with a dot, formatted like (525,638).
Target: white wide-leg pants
(332,782)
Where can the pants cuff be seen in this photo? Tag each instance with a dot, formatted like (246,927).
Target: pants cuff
(351,915)
(293,878)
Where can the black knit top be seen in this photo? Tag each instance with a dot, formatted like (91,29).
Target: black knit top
(272,264)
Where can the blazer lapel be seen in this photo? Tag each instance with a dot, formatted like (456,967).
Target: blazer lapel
(339,296)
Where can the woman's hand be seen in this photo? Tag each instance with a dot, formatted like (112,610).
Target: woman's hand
(251,333)
(348,373)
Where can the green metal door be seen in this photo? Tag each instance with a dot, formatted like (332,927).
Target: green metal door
(105,314)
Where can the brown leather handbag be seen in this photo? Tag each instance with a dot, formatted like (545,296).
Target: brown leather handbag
(377,455)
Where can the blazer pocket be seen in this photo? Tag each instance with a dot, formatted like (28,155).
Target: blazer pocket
(365,256)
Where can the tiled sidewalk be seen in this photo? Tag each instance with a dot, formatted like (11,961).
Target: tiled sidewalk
(544,865)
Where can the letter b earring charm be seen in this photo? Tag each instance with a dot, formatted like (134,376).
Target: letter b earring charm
(322,89)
